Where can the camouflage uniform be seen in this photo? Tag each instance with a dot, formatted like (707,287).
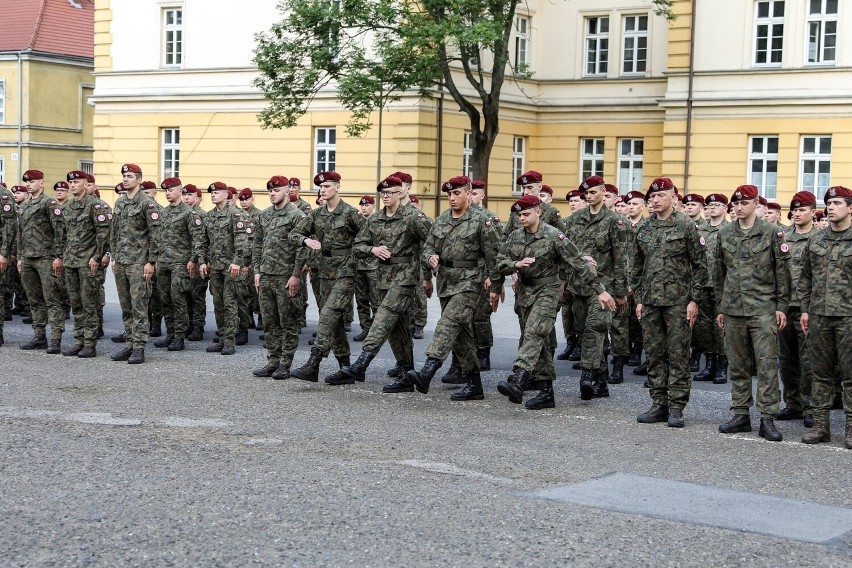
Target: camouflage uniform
(197,297)
(419,307)
(181,239)
(247,293)
(41,239)
(367,296)
(669,271)
(707,336)
(550,215)
(155,307)
(483,335)
(134,242)
(8,236)
(752,282)
(87,227)
(312,262)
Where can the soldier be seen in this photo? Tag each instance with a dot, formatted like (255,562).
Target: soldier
(41,242)
(87,226)
(60,190)
(248,298)
(537,252)
(773,214)
(310,257)
(8,236)
(545,194)
(419,311)
(566,303)
(752,285)
(92,189)
(823,291)
(693,206)
(19,193)
(155,309)
(393,236)
(707,334)
(295,188)
(530,183)
(610,196)
(197,296)
(134,245)
(635,201)
(601,237)
(225,257)
(277,267)
(181,237)
(794,361)
(821,219)
(668,275)
(461,239)
(335,226)
(366,286)
(483,335)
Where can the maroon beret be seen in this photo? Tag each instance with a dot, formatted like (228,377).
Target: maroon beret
(661,184)
(573,193)
(245,193)
(390,181)
(90,178)
(131,168)
(590,182)
(414,199)
(692,198)
(744,192)
(97,193)
(277,181)
(837,191)
(529,177)
(147,184)
(169,183)
(190,188)
(819,214)
(477,184)
(217,186)
(232,191)
(326,176)
(30,175)
(367,199)
(526,202)
(295,182)
(294,199)
(402,176)
(3,184)
(611,188)
(18,189)
(60,185)
(803,199)
(455,183)
(716,198)
(546,189)
(75,174)
(119,187)
(630,195)
(773,206)
(762,200)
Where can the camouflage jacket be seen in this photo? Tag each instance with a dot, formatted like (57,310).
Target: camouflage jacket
(826,276)
(135,231)
(550,215)
(426,222)
(403,234)
(367,264)
(41,229)
(604,238)
(181,234)
(87,230)
(8,223)
(271,251)
(302,206)
(751,272)
(336,230)
(798,245)
(669,262)
(710,234)
(226,238)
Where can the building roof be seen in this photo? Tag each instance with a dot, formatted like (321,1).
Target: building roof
(49,26)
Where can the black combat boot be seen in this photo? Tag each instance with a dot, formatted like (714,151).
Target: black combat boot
(215,347)
(137,357)
(281,373)
(265,371)
(361,336)
(177,344)
(165,341)
(577,352)
(196,335)
(228,349)
(73,351)
(54,347)
(484,356)
(642,369)
(616,377)
(544,399)
(695,361)
(635,356)
(571,342)
(737,423)
(453,376)
(708,373)
(422,378)
(472,390)
(120,338)
(401,383)
(600,389)
(788,413)
(122,355)
(721,370)
(339,377)
(396,370)
(310,370)
(156,329)
(676,418)
(357,371)
(587,379)
(768,431)
(514,386)
(657,413)
(39,341)
(241,337)
(87,353)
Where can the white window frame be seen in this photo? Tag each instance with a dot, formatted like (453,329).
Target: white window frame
(763,164)
(325,148)
(87,166)
(631,164)
(818,23)
(592,42)
(816,159)
(2,101)
(173,37)
(522,41)
(170,153)
(770,24)
(2,168)
(467,154)
(632,33)
(519,159)
(591,157)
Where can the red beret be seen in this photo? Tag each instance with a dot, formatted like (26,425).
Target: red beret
(277,181)
(295,182)
(716,198)
(762,200)
(60,185)
(326,176)
(169,183)
(455,183)
(232,191)
(18,189)
(75,174)
(773,206)
(149,185)
(819,214)
(367,199)
(526,202)
(191,188)
(590,182)
(217,186)
(477,184)
(611,188)
(294,199)
(803,199)
(245,193)
(573,193)
(97,193)
(661,184)
(90,178)
(837,191)
(131,168)
(389,181)
(692,198)
(529,177)
(546,189)
(630,195)
(744,192)
(3,184)
(30,175)
(119,188)
(414,199)
(402,176)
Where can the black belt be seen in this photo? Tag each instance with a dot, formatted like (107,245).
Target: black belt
(459,263)
(539,281)
(337,252)
(397,260)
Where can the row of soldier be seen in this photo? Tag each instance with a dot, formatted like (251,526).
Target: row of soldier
(601,267)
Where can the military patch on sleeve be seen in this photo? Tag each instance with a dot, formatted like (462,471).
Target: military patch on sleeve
(57,211)
(561,236)
(109,216)
(248,231)
(240,225)
(97,206)
(420,215)
(151,205)
(101,218)
(7,207)
(54,202)
(785,247)
(702,241)
(558,214)
(488,222)
(779,234)
(154,216)
(619,221)
(198,221)
(495,219)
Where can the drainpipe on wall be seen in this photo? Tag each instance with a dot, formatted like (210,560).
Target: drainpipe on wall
(440,150)
(20,115)
(689,98)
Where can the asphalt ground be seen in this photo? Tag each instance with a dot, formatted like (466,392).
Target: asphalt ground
(188,460)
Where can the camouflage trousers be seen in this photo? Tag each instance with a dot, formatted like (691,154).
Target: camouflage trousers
(566,304)
(619,332)
(134,294)
(707,337)
(335,299)
(101,296)
(42,289)
(391,324)
(83,294)
(247,301)
(173,286)
(366,297)
(419,309)
(63,293)
(794,364)
(18,288)
(635,325)
(197,300)
(830,347)
(454,330)
(666,335)
(155,307)
(483,335)
(591,323)
(223,288)
(751,342)
(281,313)
(538,333)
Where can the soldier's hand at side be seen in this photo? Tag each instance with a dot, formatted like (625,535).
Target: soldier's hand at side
(639,309)
(105,261)
(202,271)
(720,321)
(691,313)
(381,252)
(590,260)
(191,268)
(607,302)
(525,262)
(427,288)
(621,303)
(434,260)
(503,295)
(804,321)
(148,271)
(292,285)
(313,244)
(234,271)
(494,300)
(4,264)
(781,320)
(57,267)
(93,266)
(257,282)
(487,284)
(244,271)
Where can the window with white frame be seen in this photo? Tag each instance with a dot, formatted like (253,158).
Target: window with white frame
(635,45)
(763,165)
(87,166)
(768,32)
(522,41)
(325,149)
(2,169)
(597,46)
(591,157)
(519,158)
(467,155)
(630,161)
(815,164)
(172,37)
(2,101)
(170,153)
(822,31)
